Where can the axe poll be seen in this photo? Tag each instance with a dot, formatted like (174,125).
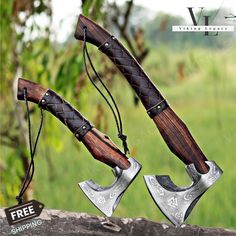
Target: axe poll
(175,202)
(99,145)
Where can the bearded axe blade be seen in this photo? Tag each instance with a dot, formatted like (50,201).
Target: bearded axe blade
(175,202)
(106,199)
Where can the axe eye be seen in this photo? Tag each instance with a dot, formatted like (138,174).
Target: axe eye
(107,198)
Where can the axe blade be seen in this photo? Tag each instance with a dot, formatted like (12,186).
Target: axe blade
(106,199)
(176,203)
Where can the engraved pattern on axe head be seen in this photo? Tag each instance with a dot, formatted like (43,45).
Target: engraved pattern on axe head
(178,200)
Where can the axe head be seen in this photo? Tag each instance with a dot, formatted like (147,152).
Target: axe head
(176,203)
(106,199)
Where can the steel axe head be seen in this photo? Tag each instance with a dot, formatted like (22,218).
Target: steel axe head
(106,199)
(175,202)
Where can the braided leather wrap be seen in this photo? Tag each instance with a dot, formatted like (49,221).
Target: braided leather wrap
(130,68)
(68,115)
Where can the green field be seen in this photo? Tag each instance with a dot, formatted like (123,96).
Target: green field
(196,74)
(205,100)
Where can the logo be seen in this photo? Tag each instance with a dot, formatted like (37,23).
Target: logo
(206,28)
(173,202)
(26,211)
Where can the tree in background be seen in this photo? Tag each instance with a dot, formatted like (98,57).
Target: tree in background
(28,49)
(20,53)
(159,31)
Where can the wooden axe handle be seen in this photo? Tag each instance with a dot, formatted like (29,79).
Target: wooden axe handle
(173,130)
(98,144)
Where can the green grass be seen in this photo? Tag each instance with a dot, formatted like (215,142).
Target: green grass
(205,100)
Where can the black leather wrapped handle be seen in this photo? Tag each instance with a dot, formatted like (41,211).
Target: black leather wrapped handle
(69,116)
(98,144)
(129,67)
(173,130)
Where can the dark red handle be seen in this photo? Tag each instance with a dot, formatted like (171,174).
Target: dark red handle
(179,140)
(172,129)
(98,144)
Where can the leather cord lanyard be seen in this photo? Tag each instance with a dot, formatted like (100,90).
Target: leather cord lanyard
(115,112)
(30,171)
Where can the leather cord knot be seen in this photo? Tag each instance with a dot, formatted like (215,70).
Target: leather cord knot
(123,138)
(19,199)
(114,108)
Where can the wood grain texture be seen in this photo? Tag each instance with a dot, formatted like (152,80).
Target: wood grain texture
(98,144)
(125,62)
(95,33)
(172,129)
(34,91)
(179,140)
(104,149)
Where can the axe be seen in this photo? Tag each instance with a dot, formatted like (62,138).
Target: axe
(99,145)
(175,202)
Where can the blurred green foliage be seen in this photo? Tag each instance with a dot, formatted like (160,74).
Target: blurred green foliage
(28,51)
(17,55)
(203,95)
(211,120)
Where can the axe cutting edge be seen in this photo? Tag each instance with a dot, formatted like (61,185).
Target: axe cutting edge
(170,198)
(99,145)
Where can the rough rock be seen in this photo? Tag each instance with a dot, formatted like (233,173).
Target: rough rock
(56,222)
